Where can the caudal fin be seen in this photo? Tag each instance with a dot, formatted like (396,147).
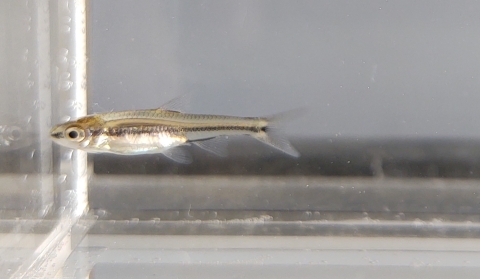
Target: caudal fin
(278,141)
(272,133)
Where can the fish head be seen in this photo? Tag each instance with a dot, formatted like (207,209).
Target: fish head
(75,134)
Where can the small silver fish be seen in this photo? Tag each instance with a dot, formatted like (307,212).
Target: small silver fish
(163,130)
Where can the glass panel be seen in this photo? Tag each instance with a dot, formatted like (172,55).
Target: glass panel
(42,74)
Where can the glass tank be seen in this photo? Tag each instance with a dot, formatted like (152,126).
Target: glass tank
(387,182)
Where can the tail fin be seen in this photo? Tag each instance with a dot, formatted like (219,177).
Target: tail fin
(272,133)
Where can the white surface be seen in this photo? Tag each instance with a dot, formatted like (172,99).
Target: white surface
(273,257)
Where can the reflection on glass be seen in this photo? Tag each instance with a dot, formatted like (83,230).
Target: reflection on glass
(37,209)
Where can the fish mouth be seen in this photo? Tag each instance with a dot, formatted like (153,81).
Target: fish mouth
(56,133)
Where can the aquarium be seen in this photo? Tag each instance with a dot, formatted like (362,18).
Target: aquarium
(387,182)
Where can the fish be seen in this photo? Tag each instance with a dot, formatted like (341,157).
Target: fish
(165,130)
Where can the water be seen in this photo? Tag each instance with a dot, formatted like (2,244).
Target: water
(357,203)
(45,58)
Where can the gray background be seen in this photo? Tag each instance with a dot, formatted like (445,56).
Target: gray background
(363,68)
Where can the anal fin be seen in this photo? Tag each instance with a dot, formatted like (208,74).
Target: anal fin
(217,145)
(179,155)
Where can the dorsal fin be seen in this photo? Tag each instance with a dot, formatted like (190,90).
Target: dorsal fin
(177,104)
(169,110)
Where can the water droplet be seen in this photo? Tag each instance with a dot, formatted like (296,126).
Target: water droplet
(74,104)
(66,19)
(65,29)
(67,156)
(64,82)
(32,154)
(62,59)
(65,85)
(37,104)
(65,75)
(65,118)
(62,55)
(61,178)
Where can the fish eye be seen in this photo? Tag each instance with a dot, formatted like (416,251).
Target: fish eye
(75,134)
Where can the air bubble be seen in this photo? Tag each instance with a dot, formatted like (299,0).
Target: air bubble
(62,55)
(74,104)
(65,85)
(67,156)
(66,19)
(32,154)
(64,81)
(65,29)
(61,178)
(37,104)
